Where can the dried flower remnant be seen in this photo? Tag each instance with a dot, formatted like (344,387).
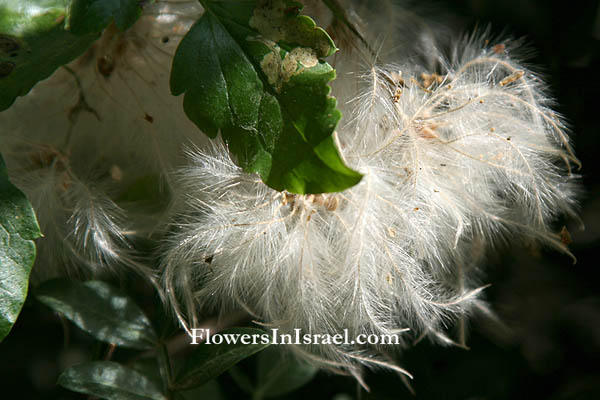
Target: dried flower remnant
(279,71)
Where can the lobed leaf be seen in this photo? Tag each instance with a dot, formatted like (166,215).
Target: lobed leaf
(251,71)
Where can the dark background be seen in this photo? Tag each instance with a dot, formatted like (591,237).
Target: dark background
(549,344)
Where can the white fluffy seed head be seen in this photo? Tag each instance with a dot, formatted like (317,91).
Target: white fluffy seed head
(455,160)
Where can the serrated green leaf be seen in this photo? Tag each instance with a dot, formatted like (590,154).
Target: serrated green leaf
(227,90)
(101,310)
(208,361)
(38,36)
(109,380)
(266,95)
(18,228)
(279,375)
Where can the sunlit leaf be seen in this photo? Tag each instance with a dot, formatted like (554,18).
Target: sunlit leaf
(252,70)
(18,228)
(109,380)
(101,310)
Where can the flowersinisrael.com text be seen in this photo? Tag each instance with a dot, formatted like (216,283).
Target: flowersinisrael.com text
(275,337)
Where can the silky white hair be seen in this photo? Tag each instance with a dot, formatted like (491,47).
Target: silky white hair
(455,160)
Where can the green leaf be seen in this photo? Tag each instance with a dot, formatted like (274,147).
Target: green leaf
(38,36)
(109,380)
(251,71)
(18,228)
(208,361)
(101,310)
(279,375)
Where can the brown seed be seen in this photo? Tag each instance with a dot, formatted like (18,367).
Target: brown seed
(428,131)
(332,203)
(512,77)
(106,65)
(389,278)
(565,236)
(288,198)
(430,79)
(116,173)
(499,48)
